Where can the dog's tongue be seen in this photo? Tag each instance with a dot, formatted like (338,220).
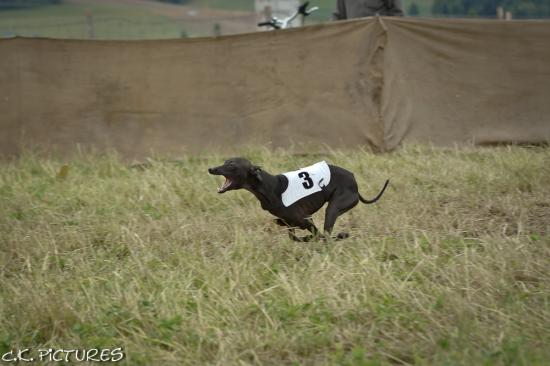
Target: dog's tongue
(226,184)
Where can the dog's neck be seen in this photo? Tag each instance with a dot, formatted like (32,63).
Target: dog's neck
(268,190)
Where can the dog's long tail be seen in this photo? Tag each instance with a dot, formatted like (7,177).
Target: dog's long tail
(377,197)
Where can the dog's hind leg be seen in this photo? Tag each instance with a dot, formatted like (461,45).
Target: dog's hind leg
(338,205)
(303,239)
(308,225)
(292,231)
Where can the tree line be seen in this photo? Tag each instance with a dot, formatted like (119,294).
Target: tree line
(487,8)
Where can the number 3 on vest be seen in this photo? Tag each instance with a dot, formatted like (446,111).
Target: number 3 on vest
(308,182)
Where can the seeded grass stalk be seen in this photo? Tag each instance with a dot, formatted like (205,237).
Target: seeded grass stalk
(451,266)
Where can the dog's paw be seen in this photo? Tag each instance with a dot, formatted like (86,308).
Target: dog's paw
(342,236)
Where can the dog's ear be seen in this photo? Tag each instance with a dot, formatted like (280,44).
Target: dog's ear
(256,171)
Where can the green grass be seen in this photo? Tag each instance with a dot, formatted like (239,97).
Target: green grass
(449,268)
(241,5)
(111,21)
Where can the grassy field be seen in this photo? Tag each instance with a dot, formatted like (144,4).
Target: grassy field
(111,21)
(247,5)
(449,268)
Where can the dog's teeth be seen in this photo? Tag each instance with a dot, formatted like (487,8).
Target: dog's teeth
(225,185)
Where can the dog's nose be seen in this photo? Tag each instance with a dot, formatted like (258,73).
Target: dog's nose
(211,170)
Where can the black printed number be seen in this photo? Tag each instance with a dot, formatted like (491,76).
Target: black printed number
(308,182)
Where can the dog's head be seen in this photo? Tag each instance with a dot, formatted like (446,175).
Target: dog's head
(239,173)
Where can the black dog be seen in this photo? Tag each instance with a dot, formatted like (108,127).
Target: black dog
(341,193)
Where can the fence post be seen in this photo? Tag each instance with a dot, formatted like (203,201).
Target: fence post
(217,30)
(500,12)
(268,13)
(90,24)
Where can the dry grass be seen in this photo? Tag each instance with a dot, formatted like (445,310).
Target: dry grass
(450,267)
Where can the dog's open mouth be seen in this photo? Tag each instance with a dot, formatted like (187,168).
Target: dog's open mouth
(225,185)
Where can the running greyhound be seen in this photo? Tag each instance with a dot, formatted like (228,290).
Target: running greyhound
(294,196)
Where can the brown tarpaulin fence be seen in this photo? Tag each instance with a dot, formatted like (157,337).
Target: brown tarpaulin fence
(378,82)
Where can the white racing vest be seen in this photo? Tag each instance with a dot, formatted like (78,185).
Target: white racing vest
(305,181)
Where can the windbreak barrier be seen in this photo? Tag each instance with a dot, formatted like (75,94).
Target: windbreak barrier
(378,82)
(474,81)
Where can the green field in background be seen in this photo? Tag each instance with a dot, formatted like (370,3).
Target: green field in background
(111,21)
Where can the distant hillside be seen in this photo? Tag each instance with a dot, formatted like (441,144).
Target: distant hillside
(246,5)
(18,4)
